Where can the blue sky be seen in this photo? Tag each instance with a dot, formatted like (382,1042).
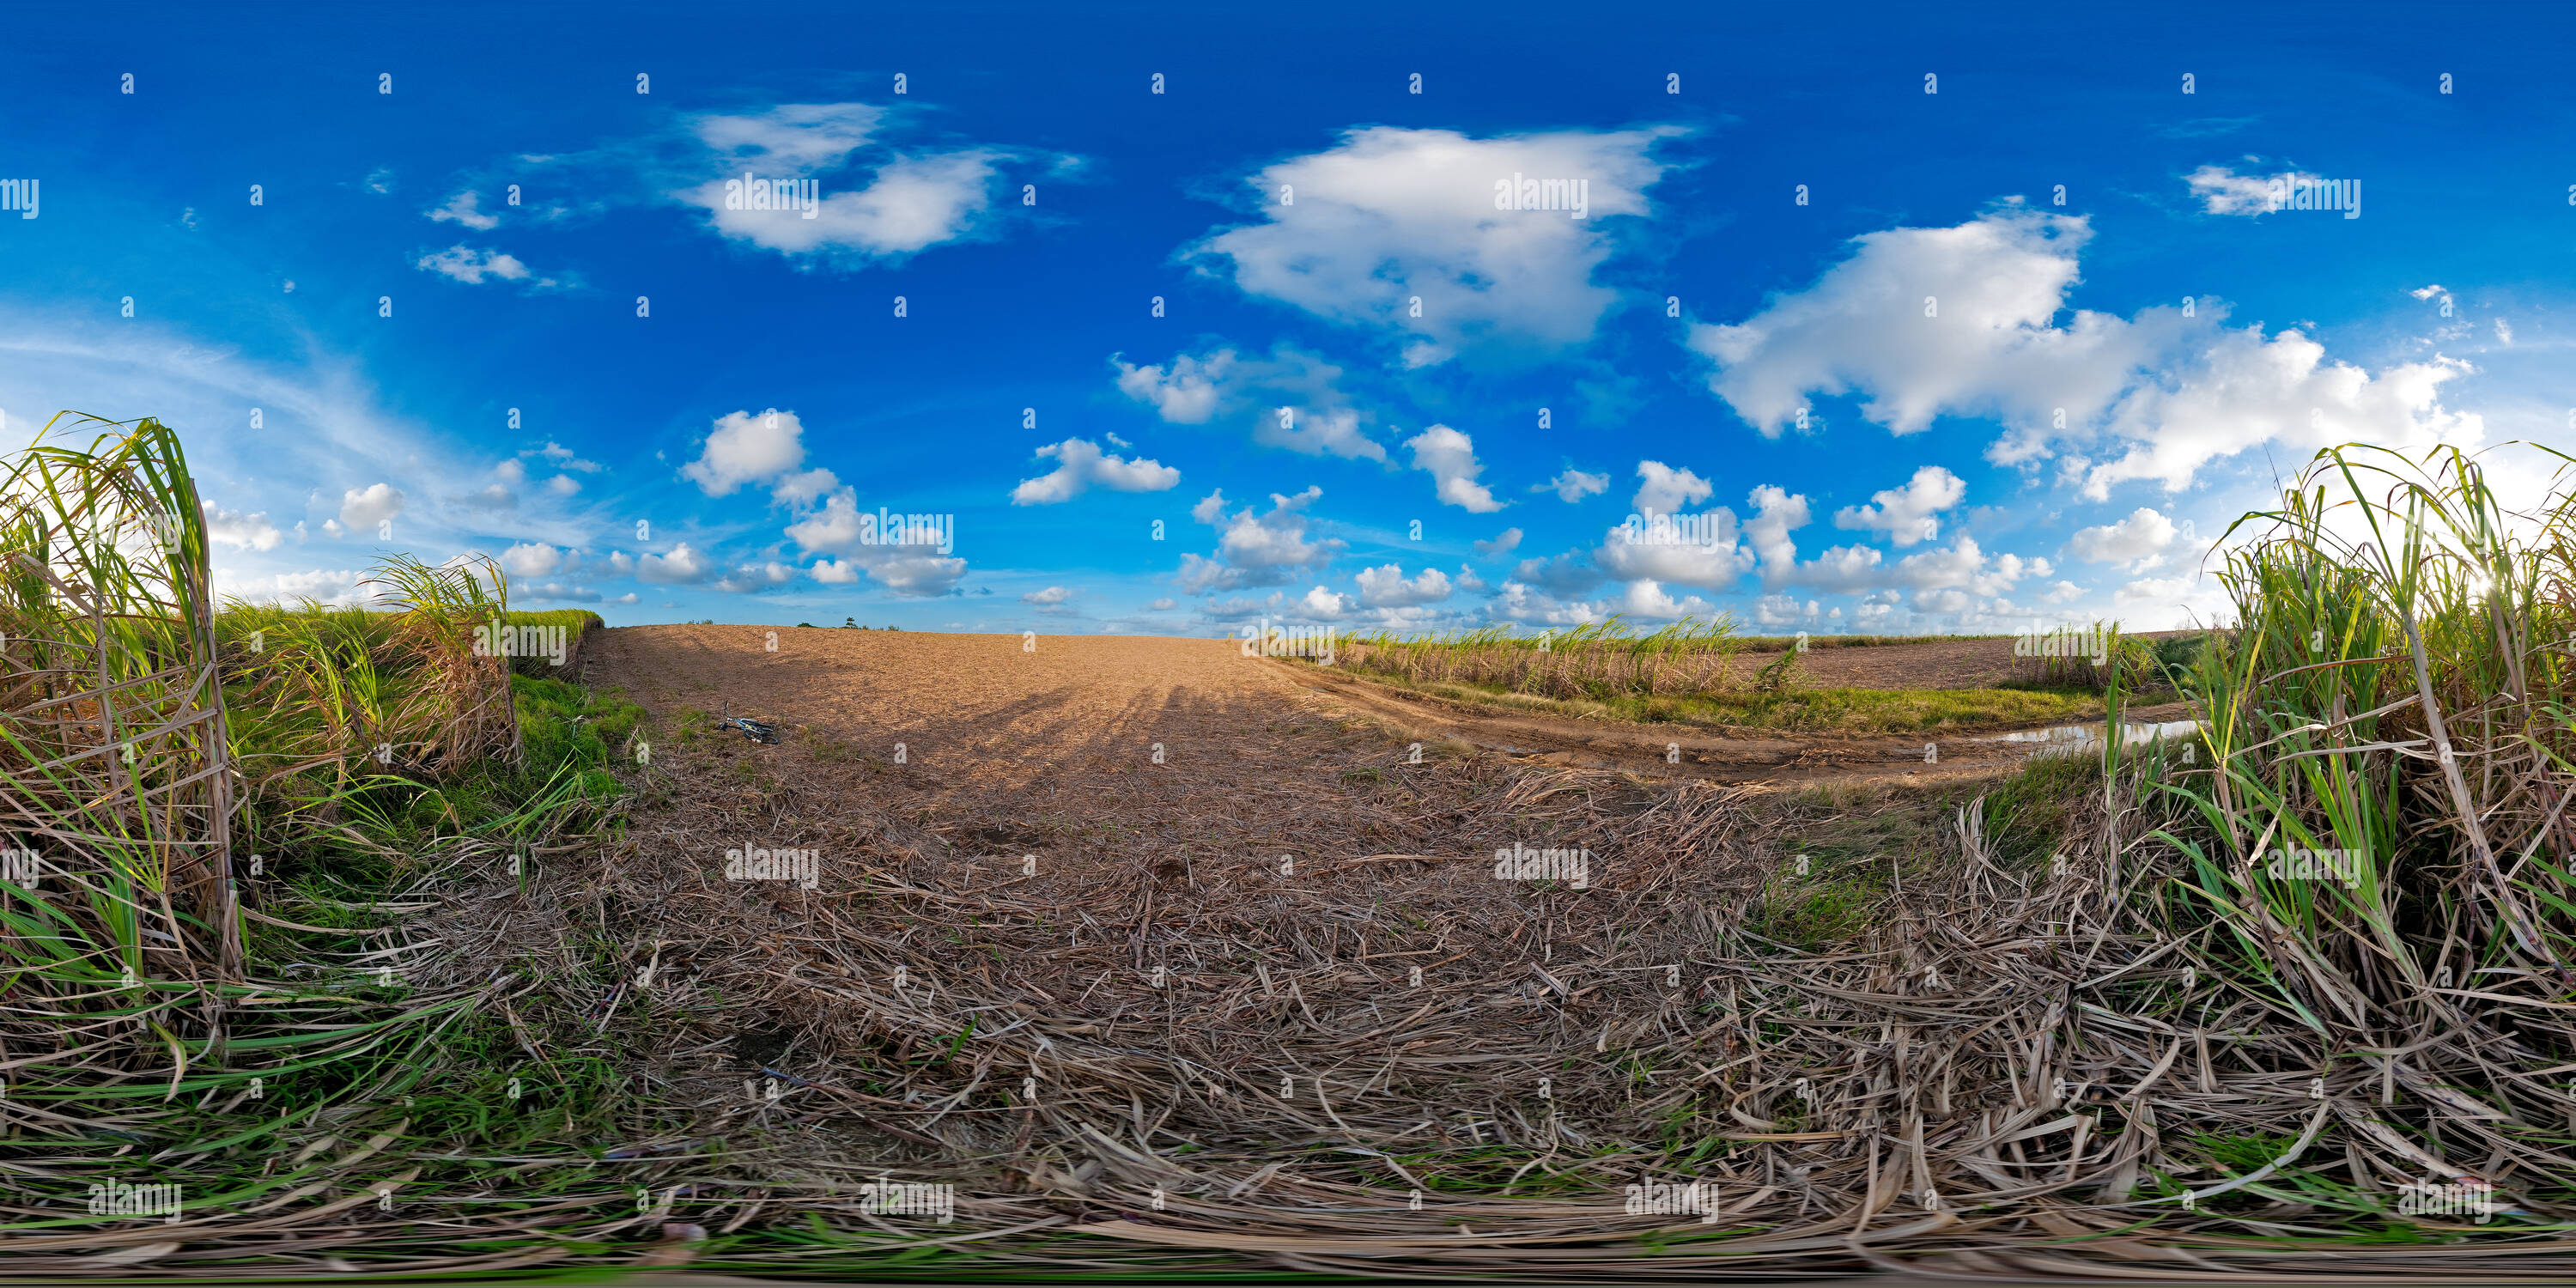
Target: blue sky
(1954,388)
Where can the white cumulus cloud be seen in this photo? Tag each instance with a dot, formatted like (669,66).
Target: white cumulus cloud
(1323,603)
(1667,490)
(1714,563)
(1961,321)
(368,506)
(1386,587)
(684,566)
(529,560)
(2140,539)
(835,528)
(1256,549)
(1359,232)
(749,577)
(1080,464)
(1291,399)
(1450,457)
(1910,513)
(244,531)
(747,447)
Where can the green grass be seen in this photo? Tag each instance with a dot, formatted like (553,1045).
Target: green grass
(1816,912)
(1594,659)
(575,623)
(567,724)
(2388,604)
(1844,848)
(1684,673)
(363,749)
(1843,711)
(1610,634)
(312,689)
(2335,632)
(2029,814)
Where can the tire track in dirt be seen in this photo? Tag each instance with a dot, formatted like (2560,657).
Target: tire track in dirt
(1681,750)
(1650,750)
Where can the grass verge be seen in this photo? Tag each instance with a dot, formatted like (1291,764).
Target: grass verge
(1843,711)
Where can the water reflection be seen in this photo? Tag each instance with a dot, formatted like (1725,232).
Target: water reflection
(2087,735)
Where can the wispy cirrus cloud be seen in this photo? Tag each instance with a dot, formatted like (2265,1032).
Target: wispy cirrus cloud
(473,267)
(875,197)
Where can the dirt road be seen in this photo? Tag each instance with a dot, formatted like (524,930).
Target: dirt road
(1673,751)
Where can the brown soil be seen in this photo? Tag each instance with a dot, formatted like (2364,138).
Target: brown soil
(1045,963)
(1107,701)
(1188,931)
(1077,980)
(955,700)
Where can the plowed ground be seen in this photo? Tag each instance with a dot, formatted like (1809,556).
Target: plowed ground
(986,700)
(1153,882)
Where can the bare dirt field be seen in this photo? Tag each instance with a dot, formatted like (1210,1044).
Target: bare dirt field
(1159,872)
(1098,807)
(1118,918)
(1104,702)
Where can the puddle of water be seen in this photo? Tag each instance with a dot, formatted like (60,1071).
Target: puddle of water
(2086,735)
